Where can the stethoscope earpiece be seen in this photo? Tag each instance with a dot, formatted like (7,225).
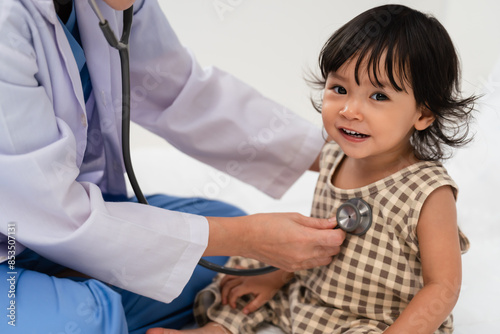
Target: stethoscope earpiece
(354,216)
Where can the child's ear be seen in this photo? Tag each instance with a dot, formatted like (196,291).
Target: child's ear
(425,120)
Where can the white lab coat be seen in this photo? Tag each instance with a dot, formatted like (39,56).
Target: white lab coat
(56,202)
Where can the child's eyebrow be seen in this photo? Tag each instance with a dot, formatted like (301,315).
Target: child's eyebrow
(381,84)
(336,75)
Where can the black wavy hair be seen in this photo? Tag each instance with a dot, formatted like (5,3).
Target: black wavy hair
(419,50)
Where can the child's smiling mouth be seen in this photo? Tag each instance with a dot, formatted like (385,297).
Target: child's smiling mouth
(352,133)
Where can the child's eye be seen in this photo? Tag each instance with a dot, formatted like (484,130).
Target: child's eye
(339,90)
(379,97)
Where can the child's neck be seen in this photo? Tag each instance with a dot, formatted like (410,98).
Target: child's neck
(356,173)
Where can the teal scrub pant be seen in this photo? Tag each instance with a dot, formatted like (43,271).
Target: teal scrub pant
(49,305)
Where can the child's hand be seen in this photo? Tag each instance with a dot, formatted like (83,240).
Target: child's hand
(262,287)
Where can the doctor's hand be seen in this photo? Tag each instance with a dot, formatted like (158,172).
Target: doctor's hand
(289,241)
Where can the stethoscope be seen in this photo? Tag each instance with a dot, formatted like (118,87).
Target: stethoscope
(354,216)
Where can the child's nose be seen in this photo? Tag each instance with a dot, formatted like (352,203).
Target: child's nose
(351,110)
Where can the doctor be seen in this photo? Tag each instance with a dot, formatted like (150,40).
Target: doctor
(76,255)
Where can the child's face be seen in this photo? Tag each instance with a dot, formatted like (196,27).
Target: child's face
(369,121)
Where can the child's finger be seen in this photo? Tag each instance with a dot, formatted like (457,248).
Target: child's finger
(236,293)
(227,288)
(254,305)
(227,278)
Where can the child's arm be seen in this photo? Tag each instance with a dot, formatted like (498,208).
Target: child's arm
(262,287)
(439,245)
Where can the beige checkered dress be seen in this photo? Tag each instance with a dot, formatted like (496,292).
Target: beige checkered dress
(373,278)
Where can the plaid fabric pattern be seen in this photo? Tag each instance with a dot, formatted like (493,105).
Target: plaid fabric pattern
(372,279)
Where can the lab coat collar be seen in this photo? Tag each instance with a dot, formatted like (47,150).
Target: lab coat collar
(93,41)
(46,8)
(47,11)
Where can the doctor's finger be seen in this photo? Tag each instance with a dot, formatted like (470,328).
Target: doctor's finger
(317,223)
(328,240)
(326,251)
(315,262)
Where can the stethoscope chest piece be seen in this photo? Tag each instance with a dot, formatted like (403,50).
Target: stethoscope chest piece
(354,216)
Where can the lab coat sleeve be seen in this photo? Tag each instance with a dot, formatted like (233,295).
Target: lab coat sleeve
(144,249)
(213,116)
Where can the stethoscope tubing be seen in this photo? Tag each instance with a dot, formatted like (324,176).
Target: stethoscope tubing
(122,46)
